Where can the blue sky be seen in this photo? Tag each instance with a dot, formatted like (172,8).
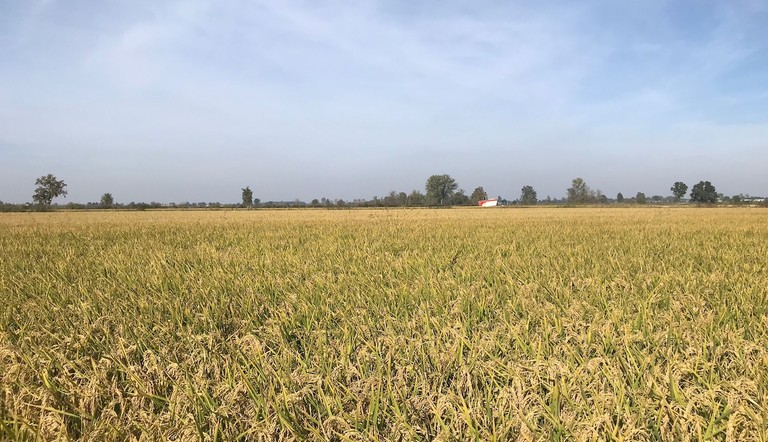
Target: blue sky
(192,100)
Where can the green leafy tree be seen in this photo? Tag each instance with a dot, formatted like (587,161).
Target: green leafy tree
(402,199)
(107,201)
(247,197)
(48,188)
(640,198)
(619,198)
(478,194)
(580,193)
(416,199)
(678,190)
(395,199)
(528,196)
(704,193)
(440,188)
(390,200)
(459,198)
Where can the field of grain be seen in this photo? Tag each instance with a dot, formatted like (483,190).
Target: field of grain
(458,324)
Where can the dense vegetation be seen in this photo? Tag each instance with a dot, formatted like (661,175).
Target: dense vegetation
(633,324)
(440,190)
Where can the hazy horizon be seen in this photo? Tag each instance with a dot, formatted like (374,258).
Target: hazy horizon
(193,100)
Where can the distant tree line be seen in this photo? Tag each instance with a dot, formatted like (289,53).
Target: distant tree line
(439,191)
(702,193)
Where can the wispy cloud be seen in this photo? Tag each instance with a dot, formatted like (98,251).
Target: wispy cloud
(436,85)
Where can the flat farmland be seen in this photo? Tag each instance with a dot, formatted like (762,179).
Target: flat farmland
(456,324)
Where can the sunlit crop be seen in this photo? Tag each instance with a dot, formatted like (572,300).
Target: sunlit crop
(456,324)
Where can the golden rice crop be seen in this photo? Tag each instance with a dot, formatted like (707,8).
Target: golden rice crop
(461,324)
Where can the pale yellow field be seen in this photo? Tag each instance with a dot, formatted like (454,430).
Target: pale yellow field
(458,324)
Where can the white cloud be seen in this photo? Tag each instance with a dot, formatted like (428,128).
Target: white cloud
(561,87)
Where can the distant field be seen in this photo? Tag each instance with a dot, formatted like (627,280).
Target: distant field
(458,324)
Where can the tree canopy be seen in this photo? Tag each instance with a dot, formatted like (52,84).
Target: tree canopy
(459,198)
(440,188)
(48,188)
(528,195)
(704,193)
(107,201)
(478,194)
(247,196)
(678,190)
(580,193)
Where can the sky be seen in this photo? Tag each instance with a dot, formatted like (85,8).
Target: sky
(192,100)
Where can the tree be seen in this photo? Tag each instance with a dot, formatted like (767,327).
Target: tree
(107,201)
(459,198)
(704,193)
(247,197)
(619,198)
(402,199)
(579,192)
(390,200)
(416,198)
(440,188)
(478,194)
(395,199)
(678,190)
(48,188)
(640,198)
(528,196)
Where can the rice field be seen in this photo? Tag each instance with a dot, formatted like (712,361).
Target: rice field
(356,325)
